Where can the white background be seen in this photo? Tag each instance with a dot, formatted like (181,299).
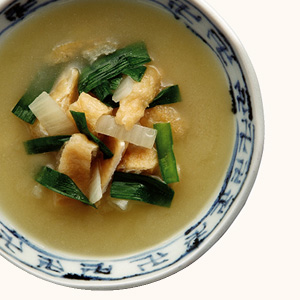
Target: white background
(258,257)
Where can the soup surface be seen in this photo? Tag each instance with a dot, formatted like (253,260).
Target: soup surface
(203,153)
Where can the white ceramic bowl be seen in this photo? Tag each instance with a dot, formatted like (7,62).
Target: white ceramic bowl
(192,242)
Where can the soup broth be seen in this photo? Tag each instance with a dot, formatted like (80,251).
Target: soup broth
(203,153)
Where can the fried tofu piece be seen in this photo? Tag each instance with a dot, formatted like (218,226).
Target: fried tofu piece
(97,49)
(92,107)
(76,158)
(90,50)
(133,106)
(138,159)
(65,90)
(165,114)
(65,52)
(109,166)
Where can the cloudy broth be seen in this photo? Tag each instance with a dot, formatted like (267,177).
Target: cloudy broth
(203,153)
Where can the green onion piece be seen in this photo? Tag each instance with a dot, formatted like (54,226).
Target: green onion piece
(112,65)
(136,73)
(61,184)
(45,144)
(115,82)
(22,111)
(168,95)
(43,81)
(108,101)
(81,123)
(166,157)
(143,188)
(106,87)
(104,91)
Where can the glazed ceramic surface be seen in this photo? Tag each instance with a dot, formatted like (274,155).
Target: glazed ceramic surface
(195,240)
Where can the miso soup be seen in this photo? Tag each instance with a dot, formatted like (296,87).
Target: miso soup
(202,150)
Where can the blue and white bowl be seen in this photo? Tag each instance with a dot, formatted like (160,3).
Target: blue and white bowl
(192,242)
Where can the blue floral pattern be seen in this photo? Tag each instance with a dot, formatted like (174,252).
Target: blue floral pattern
(17,248)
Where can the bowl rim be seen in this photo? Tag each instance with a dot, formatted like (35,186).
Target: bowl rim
(237,205)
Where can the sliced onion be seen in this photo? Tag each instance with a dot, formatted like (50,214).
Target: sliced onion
(122,204)
(51,115)
(124,89)
(138,135)
(95,193)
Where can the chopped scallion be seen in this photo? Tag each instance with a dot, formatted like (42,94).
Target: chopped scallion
(135,73)
(168,95)
(115,82)
(102,90)
(143,188)
(45,144)
(43,81)
(61,184)
(166,157)
(104,97)
(105,89)
(112,65)
(81,123)
(22,111)
(108,101)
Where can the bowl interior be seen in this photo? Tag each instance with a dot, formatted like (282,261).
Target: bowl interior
(195,240)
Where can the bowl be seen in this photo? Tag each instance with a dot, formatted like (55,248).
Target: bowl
(203,232)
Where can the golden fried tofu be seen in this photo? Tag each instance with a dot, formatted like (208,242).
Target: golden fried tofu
(90,50)
(133,106)
(165,114)
(76,158)
(96,49)
(65,52)
(65,90)
(138,159)
(92,107)
(109,166)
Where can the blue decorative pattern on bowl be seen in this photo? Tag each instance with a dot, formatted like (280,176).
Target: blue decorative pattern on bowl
(194,241)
